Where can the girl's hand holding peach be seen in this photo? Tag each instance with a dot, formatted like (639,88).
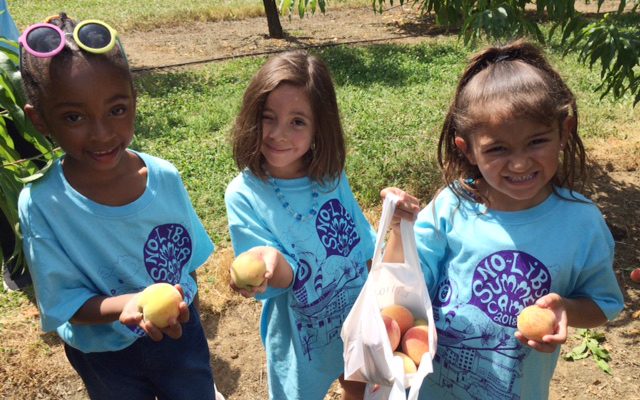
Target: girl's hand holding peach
(549,313)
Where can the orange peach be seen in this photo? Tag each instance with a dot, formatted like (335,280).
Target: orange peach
(409,366)
(401,315)
(415,342)
(534,322)
(393,331)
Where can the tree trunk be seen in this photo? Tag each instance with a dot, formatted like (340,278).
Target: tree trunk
(273,20)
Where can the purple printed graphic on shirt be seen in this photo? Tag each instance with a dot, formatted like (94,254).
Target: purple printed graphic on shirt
(166,252)
(506,282)
(443,293)
(326,286)
(336,229)
(478,356)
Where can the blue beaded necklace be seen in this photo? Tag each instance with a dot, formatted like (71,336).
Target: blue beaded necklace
(287,205)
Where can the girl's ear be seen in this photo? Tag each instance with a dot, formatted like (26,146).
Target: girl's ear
(36,119)
(463,147)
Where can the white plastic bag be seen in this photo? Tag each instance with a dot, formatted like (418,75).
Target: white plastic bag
(367,352)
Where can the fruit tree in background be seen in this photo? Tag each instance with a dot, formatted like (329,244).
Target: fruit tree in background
(609,39)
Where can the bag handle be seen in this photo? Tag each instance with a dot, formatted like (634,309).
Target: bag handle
(406,232)
(388,208)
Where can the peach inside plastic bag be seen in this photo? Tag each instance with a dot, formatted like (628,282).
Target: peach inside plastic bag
(367,352)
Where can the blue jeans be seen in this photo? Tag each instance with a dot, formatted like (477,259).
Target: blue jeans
(166,370)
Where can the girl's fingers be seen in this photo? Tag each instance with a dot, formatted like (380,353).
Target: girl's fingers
(405,214)
(547,346)
(184,313)
(154,333)
(174,330)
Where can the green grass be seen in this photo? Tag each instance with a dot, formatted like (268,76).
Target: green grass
(392,98)
(142,15)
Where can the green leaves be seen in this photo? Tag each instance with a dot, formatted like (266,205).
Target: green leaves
(16,170)
(590,347)
(616,48)
(609,41)
(499,21)
(288,7)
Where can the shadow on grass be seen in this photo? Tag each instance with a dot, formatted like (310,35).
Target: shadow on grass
(389,64)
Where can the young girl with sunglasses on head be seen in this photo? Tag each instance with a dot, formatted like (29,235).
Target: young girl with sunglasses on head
(292,206)
(105,222)
(509,230)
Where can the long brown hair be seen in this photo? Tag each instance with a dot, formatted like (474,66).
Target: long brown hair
(510,82)
(326,158)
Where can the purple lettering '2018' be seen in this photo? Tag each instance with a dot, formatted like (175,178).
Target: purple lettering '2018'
(507,281)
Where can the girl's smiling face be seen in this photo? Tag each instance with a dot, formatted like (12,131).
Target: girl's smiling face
(89,110)
(288,127)
(517,159)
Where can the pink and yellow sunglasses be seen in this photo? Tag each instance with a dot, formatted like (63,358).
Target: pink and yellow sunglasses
(47,40)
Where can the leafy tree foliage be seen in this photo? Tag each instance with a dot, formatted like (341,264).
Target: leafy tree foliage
(290,7)
(609,40)
(25,155)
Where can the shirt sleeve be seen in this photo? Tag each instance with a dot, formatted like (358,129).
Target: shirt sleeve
(8,27)
(430,232)
(596,279)
(60,286)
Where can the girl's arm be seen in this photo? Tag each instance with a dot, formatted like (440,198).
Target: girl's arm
(101,309)
(282,274)
(393,252)
(249,233)
(107,309)
(583,313)
(407,208)
(596,296)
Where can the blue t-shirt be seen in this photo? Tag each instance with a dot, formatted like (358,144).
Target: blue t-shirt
(483,266)
(8,28)
(329,251)
(78,249)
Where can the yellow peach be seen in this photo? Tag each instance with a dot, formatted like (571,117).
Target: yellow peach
(534,322)
(248,270)
(409,366)
(159,303)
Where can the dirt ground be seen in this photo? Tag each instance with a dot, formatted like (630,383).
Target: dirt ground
(33,365)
